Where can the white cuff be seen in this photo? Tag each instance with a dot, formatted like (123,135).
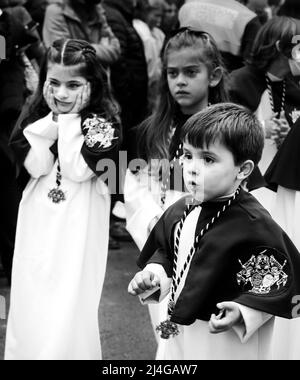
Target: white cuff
(44,128)
(165,283)
(252,321)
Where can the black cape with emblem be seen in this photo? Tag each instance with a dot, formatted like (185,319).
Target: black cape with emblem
(244,257)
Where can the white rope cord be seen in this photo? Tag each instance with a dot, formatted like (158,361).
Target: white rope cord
(270,92)
(176,280)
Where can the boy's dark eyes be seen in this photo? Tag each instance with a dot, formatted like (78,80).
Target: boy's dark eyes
(208,160)
(187,156)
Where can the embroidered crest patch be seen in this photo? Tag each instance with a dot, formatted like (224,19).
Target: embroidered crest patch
(262,273)
(99,131)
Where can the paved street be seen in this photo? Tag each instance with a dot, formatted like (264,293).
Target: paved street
(126,332)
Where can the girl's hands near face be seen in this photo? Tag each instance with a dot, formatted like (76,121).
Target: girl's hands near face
(229,316)
(82,99)
(49,98)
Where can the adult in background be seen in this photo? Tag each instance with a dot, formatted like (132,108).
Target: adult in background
(147,22)
(259,7)
(129,79)
(170,18)
(22,39)
(37,10)
(84,20)
(129,75)
(232,24)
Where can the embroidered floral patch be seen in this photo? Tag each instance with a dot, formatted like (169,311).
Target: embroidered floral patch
(262,273)
(99,131)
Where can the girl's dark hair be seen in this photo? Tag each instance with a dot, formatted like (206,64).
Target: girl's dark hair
(156,130)
(233,125)
(73,53)
(278,30)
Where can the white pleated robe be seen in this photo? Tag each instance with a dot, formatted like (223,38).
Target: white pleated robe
(60,252)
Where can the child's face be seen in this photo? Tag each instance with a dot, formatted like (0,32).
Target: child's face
(67,85)
(154,18)
(209,173)
(188,80)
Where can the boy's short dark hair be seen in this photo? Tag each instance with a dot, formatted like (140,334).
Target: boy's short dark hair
(234,126)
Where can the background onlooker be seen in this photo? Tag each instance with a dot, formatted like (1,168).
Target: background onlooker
(170,18)
(259,7)
(129,75)
(147,22)
(84,20)
(232,24)
(37,10)
(22,42)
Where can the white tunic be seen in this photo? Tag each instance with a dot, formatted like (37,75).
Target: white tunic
(60,252)
(286,212)
(142,203)
(249,341)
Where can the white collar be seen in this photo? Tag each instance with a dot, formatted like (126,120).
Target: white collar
(273,78)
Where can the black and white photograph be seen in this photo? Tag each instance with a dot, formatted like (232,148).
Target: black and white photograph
(150,191)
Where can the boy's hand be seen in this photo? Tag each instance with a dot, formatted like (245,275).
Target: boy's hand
(143,281)
(229,316)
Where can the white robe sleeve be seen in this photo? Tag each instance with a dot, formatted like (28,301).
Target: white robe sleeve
(165,283)
(140,205)
(252,321)
(41,135)
(70,142)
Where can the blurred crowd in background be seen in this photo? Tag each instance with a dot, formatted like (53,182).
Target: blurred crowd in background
(129,37)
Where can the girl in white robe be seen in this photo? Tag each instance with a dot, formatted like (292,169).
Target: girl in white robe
(266,87)
(193,77)
(283,178)
(63,223)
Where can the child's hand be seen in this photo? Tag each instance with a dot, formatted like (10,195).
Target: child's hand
(272,127)
(284,127)
(143,281)
(49,98)
(82,99)
(229,316)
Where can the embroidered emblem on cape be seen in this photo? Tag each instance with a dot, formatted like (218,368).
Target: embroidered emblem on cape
(262,273)
(99,131)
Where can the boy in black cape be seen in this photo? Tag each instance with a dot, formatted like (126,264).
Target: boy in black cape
(225,264)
